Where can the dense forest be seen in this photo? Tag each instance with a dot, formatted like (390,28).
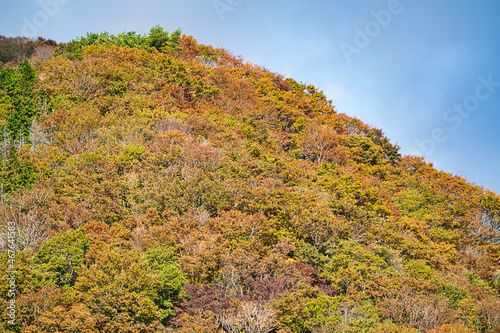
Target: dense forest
(150,183)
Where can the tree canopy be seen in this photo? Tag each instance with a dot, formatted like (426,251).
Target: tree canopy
(160,185)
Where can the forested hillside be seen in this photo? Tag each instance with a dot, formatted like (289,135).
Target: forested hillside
(153,184)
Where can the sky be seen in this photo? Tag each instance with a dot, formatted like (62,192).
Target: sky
(426,72)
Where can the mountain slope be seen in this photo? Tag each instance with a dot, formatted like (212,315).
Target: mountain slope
(157,184)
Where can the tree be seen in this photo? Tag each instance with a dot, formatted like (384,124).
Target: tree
(168,278)
(363,150)
(306,309)
(16,48)
(320,143)
(17,91)
(62,256)
(159,39)
(16,173)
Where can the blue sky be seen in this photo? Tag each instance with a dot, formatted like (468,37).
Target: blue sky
(426,72)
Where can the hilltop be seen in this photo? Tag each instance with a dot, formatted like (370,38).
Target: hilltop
(160,185)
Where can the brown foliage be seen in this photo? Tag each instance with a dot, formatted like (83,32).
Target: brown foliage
(424,312)
(251,317)
(15,48)
(25,210)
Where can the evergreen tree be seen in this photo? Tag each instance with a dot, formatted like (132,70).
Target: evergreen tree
(18,94)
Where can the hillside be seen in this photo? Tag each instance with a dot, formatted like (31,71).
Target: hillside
(154,184)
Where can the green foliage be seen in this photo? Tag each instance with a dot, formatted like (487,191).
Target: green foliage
(454,292)
(130,39)
(62,256)
(168,278)
(310,254)
(15,173)
(119,286)
(131,153)
(364,151)
(476,280)
(418,269)
(490,203)
(352,268)
(157,39)
(307,309)
(17,93)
